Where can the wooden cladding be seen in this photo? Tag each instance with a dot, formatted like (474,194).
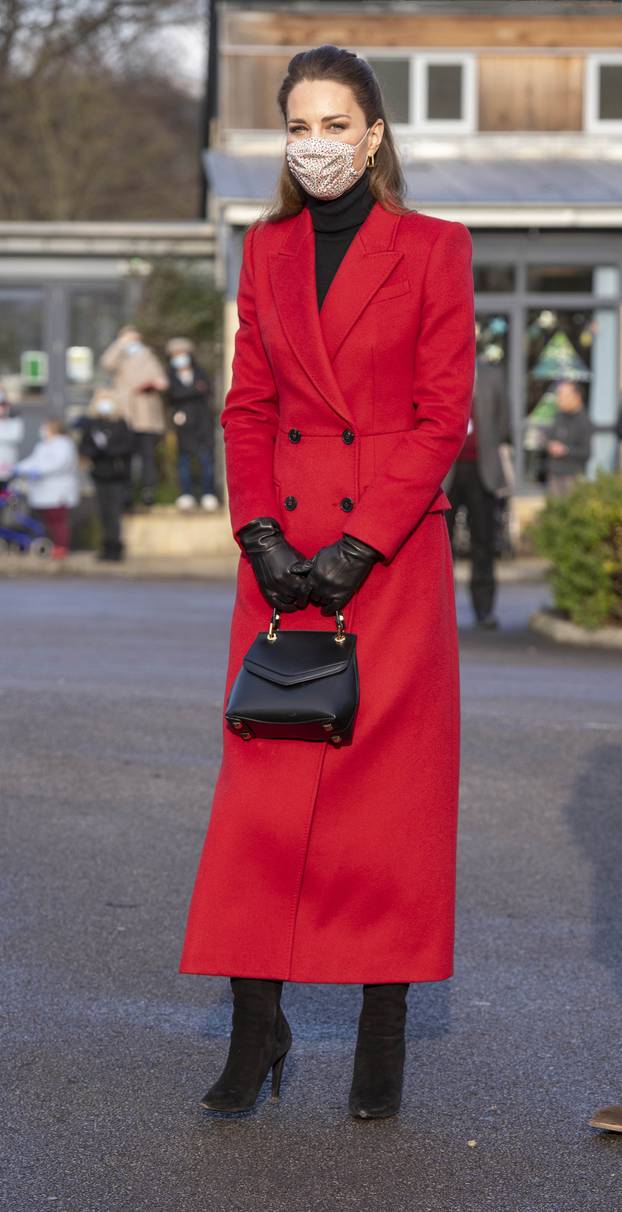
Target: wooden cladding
(249,87)
(515,93)
(530,93)
(396,30)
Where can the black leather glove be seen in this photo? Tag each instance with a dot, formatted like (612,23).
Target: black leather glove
(272,558)
(335,572)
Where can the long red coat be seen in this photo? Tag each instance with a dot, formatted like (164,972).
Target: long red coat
(324,863)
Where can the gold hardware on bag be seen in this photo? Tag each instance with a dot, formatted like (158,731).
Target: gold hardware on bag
(336,740)
(273,629)
(274,626)
(327,727)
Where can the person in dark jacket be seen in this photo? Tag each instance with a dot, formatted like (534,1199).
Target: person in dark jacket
(108,442)
(190,402)
(570,440)
(478,479)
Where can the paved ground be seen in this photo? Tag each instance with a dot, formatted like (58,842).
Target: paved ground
(110,719)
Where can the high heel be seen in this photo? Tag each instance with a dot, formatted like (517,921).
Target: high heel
(376,1091)
(277,1074)
(260,1040)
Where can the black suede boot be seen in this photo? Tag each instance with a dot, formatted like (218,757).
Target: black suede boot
(380,1049)
(260,1041)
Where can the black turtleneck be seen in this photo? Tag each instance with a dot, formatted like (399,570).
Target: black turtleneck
(335,223)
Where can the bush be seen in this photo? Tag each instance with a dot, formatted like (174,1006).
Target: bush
(181,301)
(582,537)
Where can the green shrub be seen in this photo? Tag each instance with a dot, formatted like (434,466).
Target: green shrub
(582,537)
(181,301)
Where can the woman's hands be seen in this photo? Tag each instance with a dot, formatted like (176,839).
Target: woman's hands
(336,572)
(272,559)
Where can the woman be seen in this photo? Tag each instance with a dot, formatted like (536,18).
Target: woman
(323,863)
(51,472)
(109,443)
(139,380)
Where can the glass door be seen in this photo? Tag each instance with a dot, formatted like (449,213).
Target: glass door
(23,359)
(580,344)
(94,316)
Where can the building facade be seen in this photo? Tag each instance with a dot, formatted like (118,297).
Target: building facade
(508,117)
(65,289)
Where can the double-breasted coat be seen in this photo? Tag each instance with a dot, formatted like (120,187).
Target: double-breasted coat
(323,863)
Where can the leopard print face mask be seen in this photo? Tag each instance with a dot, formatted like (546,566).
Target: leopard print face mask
(324,167)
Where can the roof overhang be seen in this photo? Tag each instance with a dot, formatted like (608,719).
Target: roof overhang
(481,193)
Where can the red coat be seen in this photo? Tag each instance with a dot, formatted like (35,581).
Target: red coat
(324,863)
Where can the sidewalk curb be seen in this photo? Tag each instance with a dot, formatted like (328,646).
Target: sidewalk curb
(216,566)
(523,570)
(83,565)
(565,632)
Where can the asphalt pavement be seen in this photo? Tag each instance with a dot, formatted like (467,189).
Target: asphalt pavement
(110,722)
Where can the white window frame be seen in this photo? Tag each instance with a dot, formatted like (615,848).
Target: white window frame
(417,88)
(452,126)
(592,123)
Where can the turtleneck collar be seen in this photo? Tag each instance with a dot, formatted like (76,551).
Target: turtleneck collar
(348,210)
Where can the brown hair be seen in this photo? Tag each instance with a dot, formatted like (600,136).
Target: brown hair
(386,179)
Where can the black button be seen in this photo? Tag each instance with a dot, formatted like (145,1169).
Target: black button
(347,504)
(347,436)
(294,435)
(290,502)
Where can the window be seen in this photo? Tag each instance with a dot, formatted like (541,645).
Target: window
(494,278)
(559,278)
(394,78)
(428,92)
(445,93)
(23,363)
(603,93)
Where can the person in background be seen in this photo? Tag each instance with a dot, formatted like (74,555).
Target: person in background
(11,435)
(190,400)
(108,442)
(477,480)
(53,486)
(570,440)
(139,379)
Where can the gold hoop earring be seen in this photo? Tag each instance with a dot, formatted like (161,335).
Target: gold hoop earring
(370,159)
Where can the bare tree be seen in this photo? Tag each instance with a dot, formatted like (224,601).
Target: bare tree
(89,127)
(38,34)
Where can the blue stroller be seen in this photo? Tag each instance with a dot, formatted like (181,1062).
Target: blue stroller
(18,530)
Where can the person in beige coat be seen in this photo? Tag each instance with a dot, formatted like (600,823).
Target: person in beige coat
(139,379)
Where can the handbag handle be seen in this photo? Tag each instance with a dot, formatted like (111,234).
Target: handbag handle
(340,637)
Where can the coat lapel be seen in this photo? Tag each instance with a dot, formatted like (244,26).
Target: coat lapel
(315,337)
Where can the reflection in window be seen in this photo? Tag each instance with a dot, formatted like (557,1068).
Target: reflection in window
(21,334)
(491,330)
(559,346)
(95,317)
(559,278)
(494,278)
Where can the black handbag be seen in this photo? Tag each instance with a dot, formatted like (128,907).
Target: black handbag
(296,685)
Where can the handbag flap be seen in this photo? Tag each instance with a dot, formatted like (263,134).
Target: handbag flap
(298,656)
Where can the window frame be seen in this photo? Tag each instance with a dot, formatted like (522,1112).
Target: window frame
(592,123)
(465,125)
(417,86)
